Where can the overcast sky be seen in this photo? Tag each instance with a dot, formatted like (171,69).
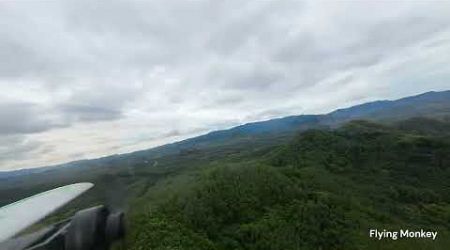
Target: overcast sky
(84,79)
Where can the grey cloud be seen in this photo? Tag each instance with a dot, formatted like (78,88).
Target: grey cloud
(103,101)
(16,147)
(229,100)
(394,34)
(45,149)
(16,58)
(90,113)
(359,44)
(244,75)
(35,44)
(255,79)
(257,23)
(77,155)
(24,118)
(172,133)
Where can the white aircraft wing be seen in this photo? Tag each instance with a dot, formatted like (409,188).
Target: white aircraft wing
(19,215)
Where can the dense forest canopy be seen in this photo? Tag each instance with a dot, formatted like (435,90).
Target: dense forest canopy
(323,190)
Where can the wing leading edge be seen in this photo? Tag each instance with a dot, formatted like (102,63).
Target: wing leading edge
(19,215)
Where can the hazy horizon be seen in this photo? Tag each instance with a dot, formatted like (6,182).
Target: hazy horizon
(84,79)
(201,133)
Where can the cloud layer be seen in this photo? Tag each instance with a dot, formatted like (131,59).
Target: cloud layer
(81,79)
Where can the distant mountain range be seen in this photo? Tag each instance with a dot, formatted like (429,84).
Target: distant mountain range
(431,104)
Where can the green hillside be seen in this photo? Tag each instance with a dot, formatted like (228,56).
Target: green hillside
(323,190)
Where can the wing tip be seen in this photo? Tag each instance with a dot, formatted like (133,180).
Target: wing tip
(82,185)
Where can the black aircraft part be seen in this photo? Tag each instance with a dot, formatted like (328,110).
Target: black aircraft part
(94,228)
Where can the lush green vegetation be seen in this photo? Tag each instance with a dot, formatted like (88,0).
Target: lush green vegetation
(323,190)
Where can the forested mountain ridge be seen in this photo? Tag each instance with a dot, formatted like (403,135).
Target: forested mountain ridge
(323,190)
(431,104)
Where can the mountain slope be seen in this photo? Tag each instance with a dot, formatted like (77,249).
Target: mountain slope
(323,190)
(430,104)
